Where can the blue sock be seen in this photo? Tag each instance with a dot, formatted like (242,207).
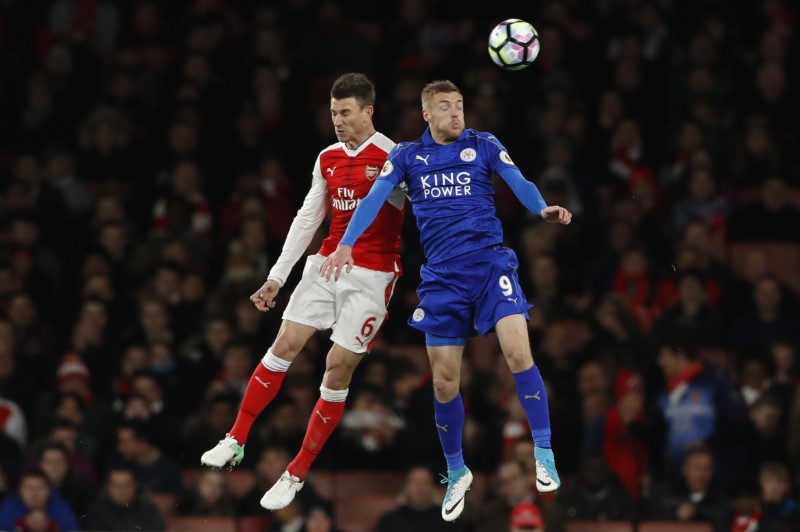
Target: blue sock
(532,395)
(449,418)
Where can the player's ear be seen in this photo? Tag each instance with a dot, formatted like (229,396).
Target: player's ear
(426,115)
(369,110)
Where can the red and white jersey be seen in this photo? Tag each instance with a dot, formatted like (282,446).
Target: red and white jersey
(341,179)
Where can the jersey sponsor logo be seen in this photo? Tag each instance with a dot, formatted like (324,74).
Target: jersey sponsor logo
(387,168)
(418,315)
(372,171)
(446,184)
(423,159)
(468,155)
(506,158)
(346,200)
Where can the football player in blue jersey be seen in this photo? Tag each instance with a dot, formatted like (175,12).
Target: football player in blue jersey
(470,284)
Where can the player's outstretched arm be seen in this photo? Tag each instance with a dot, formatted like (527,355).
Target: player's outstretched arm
(363,217)
(528,194)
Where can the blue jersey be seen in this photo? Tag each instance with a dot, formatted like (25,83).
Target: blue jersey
(451,190)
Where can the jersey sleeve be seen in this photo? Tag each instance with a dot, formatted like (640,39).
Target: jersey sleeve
(394,169)
(495,155)
(304,226)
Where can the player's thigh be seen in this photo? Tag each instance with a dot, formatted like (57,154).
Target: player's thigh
(512,333)
(361,299)
(500,293)
(339,367)
(445,307)
(313,302)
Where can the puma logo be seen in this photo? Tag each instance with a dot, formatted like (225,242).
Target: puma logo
(331,170)
(262,383)
(423,159)
(534,396)
(442,428)
(323,418)
(359,341)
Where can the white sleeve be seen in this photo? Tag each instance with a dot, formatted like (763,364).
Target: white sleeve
(304,226)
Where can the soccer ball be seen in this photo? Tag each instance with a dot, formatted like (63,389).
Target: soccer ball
(513,44)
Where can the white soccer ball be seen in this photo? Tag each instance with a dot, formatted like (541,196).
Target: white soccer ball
(513,44)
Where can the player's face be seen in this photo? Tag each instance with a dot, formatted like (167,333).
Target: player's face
(445,114)
(351,122)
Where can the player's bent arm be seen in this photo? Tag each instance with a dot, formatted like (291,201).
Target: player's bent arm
(366,212)
(304,226)
(526,192)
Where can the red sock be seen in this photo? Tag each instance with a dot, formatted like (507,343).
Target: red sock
(324,418)
(261,390)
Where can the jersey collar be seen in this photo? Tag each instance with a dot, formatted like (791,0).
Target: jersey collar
(427,138)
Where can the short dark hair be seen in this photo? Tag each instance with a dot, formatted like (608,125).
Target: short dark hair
(354,85)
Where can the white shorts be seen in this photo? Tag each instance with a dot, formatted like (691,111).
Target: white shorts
(354,307)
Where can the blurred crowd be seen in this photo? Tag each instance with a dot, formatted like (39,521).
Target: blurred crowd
(152,157)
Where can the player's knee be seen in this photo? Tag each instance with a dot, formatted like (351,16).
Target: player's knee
(337,376)
(445,387)
(519,359)
(286,347)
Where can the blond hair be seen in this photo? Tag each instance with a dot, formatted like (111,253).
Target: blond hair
(435,87)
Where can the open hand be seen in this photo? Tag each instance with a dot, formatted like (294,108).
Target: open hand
(556,215)
(336,261)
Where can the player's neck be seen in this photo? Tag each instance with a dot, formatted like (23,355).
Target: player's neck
(442,139)
(358,141)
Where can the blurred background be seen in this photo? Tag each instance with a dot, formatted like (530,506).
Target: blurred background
(154,153)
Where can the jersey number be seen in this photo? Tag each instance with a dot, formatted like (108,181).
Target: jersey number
(367,328)
(505,285)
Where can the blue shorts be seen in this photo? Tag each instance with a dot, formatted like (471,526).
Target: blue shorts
(469,294)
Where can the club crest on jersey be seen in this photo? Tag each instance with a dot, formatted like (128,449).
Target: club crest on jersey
(468,155)
(505,158)
(387,168)
(418,315)
(372,172)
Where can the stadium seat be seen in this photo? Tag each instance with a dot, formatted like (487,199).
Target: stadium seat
(361,513)
(253,524)
(197,523)
(599,526)
(166,503)
(783,260)
(672,526)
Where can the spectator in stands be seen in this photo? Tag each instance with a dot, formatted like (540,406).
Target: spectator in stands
(123,505)
(76,490)
(36,507)
(598,495)
(691,386)
(204,430)
(526,517)
(419,507)
(515,487)
(209,496)
(770,219)
(693,497)
(779,510)
(154,470)
(625,434)
(769,321)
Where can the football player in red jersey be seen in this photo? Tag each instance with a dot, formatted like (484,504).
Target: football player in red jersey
(355,310)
